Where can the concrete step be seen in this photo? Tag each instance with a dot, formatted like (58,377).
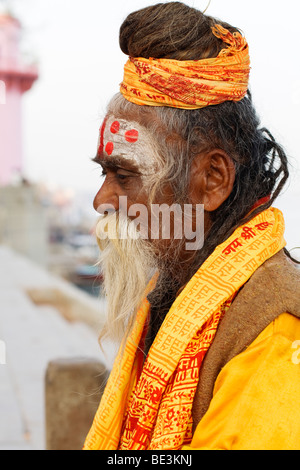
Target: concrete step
(34,335)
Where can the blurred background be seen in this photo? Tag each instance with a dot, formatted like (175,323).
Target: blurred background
(60,62)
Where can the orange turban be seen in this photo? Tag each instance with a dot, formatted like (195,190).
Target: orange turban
(190,84)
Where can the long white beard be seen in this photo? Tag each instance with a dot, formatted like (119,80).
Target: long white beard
(128,262)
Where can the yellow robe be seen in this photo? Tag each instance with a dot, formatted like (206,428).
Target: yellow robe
(255,403)
(150,405)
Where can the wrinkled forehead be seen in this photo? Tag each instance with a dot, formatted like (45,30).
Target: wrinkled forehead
(120,138)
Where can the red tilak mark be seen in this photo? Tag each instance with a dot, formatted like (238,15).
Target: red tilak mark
(115,127)
(132,135)
(109,148)
(102,129)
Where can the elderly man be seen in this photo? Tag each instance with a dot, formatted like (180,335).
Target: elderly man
(209,357)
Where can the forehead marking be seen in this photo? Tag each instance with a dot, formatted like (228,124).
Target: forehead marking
(132,135)
(102,129)
(115,127)
(108,144)
(109,148)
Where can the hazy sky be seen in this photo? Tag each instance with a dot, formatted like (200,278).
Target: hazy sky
(81,66)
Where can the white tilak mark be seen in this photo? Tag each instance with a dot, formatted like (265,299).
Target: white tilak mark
(139,151)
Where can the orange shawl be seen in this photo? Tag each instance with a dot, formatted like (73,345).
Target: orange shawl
(190,84)
(149,405)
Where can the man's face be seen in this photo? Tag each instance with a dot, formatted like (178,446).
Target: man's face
(129,160)
(124,152)
(127,157)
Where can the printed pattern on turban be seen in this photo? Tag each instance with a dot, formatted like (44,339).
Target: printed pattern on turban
(190,84)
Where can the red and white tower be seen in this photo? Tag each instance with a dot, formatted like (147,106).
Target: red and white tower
(15,79)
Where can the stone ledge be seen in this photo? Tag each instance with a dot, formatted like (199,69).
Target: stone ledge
(73,388)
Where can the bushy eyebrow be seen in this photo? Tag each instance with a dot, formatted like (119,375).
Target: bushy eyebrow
(116,163)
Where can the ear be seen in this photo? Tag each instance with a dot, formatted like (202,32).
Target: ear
(212,178)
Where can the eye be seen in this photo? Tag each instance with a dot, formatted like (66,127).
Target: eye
(121,176)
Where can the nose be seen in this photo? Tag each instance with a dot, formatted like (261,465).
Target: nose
(106,199)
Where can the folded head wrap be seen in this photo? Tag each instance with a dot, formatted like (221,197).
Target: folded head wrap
(190,84)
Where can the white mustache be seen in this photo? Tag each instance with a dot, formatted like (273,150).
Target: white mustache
(116,226)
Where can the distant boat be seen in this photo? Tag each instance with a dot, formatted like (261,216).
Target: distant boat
(86,271)
(88,278)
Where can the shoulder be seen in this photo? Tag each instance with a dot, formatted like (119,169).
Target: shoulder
(264,315)
(269,369)
(254,404)
(273,289)
(273,356)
